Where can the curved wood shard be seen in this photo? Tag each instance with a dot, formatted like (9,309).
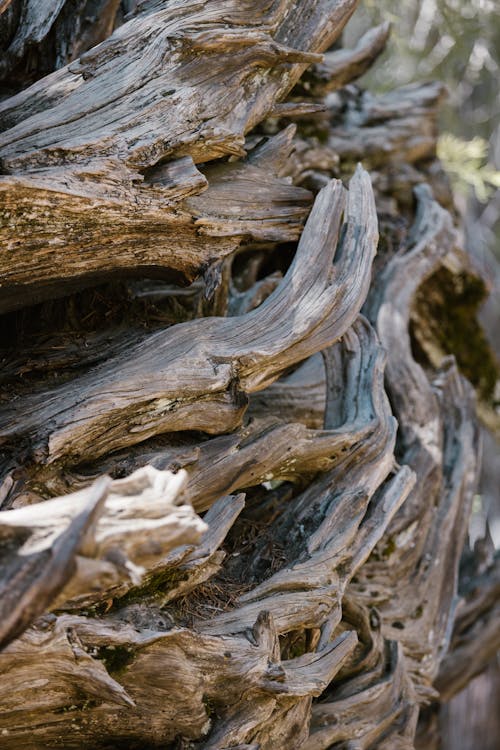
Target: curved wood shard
(139,393)
(439,440)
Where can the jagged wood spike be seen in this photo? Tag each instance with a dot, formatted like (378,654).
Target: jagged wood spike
(195,375)
(75,550)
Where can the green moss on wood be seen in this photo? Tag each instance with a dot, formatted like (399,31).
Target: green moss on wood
(116,659)
(444,317)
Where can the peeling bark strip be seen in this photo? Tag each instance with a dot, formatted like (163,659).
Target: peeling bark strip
(282,395)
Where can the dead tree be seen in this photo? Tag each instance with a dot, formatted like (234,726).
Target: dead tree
(208,310)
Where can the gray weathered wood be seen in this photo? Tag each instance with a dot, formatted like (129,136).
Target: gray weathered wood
(196,376)
(285,394)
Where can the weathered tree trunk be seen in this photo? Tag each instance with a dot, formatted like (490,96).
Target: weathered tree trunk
(199,317)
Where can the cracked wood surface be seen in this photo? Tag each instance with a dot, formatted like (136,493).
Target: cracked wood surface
(84,148)
(317,602)
(279,683)
(81,226)
(196,375)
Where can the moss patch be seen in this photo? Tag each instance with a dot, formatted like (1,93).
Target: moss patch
(444,317)
(115,658)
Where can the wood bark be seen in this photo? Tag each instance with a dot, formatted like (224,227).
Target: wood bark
(235,482)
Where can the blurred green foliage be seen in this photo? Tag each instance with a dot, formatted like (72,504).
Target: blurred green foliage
(466,163)
(457,42)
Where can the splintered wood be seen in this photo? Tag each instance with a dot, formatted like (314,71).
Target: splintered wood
(315,602)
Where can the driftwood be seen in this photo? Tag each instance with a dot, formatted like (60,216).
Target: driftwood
(292,394)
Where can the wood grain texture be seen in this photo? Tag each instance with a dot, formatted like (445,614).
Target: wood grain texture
(439,440)
(38,37)
(117,221)
(84,148)
(71,550)
(195,376)
(284,395)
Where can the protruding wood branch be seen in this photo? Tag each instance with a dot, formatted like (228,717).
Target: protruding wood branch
(194,375)
(35,569)
(267,448)
(70,551)
(309,591)
(399,125)
(345,65)
(117,221)
(85,111)
(394,134)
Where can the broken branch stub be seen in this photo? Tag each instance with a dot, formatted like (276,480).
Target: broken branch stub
(79,547)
